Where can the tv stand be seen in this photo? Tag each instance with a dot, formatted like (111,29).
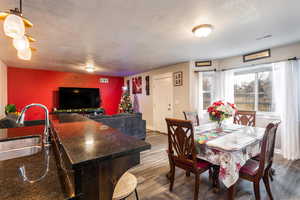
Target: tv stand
(81,111)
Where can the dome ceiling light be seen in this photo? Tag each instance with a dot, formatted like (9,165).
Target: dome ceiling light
(14,27)
(202,30)
(90,68)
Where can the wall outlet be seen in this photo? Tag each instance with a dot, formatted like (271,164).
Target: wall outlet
(104,80)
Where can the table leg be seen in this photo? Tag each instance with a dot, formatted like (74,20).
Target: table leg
(231,192)
(215,178)
(168,175)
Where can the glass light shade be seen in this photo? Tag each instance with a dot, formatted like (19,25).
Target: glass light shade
(202,30)
(89,69)
(25,54)
(14,26)
(21,43)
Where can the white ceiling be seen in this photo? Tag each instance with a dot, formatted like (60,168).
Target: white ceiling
(124,37)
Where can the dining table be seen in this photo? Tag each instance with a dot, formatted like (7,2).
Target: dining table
(228,147)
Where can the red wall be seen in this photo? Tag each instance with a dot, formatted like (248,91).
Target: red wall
(27,86)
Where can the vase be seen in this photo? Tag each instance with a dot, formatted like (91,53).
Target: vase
(219,126)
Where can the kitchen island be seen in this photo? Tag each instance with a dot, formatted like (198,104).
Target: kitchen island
(90,158)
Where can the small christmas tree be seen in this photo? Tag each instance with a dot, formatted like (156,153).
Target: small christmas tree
(125,105)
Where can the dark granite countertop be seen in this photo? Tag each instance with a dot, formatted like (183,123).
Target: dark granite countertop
(85,140)
(11,185)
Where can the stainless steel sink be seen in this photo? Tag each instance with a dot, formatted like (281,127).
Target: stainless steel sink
(19,147)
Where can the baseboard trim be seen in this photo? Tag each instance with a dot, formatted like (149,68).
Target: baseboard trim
(150,128)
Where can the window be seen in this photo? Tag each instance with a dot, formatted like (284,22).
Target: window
(207,88)
(253,89)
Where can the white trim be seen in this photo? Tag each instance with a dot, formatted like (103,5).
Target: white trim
(161,76)
(150,128)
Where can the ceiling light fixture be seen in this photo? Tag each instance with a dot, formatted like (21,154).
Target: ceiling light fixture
(21,43)
(14,27)
(16,12)
(25,54)
(202,30)
(90,68)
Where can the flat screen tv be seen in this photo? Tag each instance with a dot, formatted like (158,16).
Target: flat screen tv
(76,98)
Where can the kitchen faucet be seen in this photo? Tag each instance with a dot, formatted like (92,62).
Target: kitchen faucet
(46,142)
(20,120)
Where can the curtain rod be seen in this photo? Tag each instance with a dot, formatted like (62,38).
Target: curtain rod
(253,65)
(208,70)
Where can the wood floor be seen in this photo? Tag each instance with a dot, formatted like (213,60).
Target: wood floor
(153,184)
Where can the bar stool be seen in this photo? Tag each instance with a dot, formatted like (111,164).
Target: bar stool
(125,187)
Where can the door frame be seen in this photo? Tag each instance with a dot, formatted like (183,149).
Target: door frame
(156,95)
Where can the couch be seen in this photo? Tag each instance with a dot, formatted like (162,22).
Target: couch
(129,124)
(10,122)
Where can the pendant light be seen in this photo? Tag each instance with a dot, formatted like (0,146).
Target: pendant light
(14,26)
(17,12)
(25,54)
(21,43)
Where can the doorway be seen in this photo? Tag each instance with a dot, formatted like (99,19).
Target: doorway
(162,101)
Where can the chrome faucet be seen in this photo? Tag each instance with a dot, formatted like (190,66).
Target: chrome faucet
(46,136)
(46,143)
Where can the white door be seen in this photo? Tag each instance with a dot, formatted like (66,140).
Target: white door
(163,101)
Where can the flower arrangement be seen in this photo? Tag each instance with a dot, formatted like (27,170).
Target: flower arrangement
(221,110)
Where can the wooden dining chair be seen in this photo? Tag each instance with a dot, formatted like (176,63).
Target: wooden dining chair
(255,170)
(182,151)
(192,116)
(246,118)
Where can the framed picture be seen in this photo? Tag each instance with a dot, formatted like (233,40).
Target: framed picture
(177,78)
(206,63)
(147,79)
(257,55)
(137,85)
(128,86)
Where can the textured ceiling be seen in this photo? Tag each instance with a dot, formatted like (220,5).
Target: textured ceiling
(124,37)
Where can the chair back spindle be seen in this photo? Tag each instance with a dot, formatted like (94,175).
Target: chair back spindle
(246,118)
(181,141)
(192,116)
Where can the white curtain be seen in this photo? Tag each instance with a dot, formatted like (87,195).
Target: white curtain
(200,96)
(224,86)
(286,90)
